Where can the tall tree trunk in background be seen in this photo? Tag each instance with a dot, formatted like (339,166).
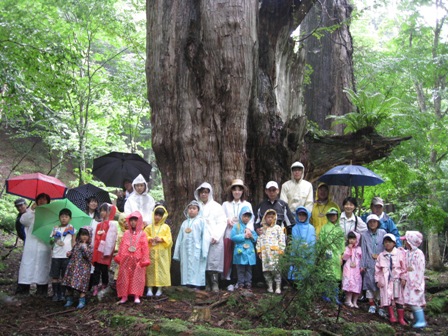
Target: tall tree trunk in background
(227,93)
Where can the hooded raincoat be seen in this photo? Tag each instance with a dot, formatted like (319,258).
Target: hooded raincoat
(77,274)
(351,271)
(133,257)
(271,244)
(371,246)
(158,272)
(144,203)
(390,268)
(36,257)
(320,209)
(414,291)
(192,246)
(244,250)
(216,223)
(303,240)
(297,193)
(332,235)
(105,238)
(354,223)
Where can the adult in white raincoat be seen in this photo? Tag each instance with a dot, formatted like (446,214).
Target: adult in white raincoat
(216,223)
(36,257)
(140,200)
(297,191)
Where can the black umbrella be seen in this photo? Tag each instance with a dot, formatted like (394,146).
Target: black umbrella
(115,167)
(79,195)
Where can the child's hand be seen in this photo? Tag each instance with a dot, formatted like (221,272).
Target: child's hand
(69,253)
(33,206)
(350,245)
(403,282)
(159,240)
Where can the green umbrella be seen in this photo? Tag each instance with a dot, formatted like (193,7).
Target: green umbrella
(47,217)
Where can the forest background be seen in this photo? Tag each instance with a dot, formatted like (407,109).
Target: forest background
(73,87)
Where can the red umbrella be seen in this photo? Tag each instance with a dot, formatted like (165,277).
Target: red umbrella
(31,185)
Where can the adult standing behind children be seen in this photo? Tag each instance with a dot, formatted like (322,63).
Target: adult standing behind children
(140,200)
(348,220)
(236,200)
(297,191)
(216,224)
(321,206)
(386,223)
(20,205)
(285,218)
(36,257)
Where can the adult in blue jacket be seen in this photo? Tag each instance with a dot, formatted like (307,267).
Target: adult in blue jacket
(386,223)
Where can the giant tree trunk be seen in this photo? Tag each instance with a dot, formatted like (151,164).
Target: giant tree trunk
(227,93)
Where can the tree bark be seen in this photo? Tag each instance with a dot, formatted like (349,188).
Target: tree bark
(230,95)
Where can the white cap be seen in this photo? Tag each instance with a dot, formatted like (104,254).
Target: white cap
(297,164)
(272,184)
(372,216)
(391,236)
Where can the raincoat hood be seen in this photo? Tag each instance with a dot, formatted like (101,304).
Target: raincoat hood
(358,237)
(296,215)
(122,222)
(195,203)
(274,222)
(164,217)
(205,185)
(329,199)
(332,210)
(414,238)
(140,179)
(297,164)
(139,226)
(244,210)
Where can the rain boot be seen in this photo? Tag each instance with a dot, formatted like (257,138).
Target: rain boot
(69,302)
(56,289)
(82,303)
(208,286)
(278,287)
(392,318)
(95,290)
(149,292)
(400,313)
(61,293)
(419,317)
(268,278)
(159,291)
(348,299)
(355,300)
(215,286)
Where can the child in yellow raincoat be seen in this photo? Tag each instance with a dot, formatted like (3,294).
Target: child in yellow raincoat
(160,243)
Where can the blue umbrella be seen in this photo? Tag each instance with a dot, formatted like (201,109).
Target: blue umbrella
(351,176)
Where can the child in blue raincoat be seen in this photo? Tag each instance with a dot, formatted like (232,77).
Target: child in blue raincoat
(303,239)
(244,256)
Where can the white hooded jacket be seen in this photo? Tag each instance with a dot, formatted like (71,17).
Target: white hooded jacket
(297,193)
(140,202)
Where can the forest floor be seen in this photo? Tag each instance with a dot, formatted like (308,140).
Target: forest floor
(175,312)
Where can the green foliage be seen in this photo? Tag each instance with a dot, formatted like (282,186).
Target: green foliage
(8,214)
(372,110)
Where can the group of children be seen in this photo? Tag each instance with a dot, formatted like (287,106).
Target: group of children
(393,276)
(368,261)
(143,256)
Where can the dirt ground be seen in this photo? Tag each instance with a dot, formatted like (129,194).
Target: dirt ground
(32,315)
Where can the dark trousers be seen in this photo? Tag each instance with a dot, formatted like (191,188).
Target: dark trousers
(102,271)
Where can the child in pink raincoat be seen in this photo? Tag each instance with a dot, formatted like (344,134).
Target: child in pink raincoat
(351,273)
(390,276)
(414,291)
(133,257)
(104,246)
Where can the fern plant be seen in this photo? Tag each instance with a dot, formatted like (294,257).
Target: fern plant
(371,111)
